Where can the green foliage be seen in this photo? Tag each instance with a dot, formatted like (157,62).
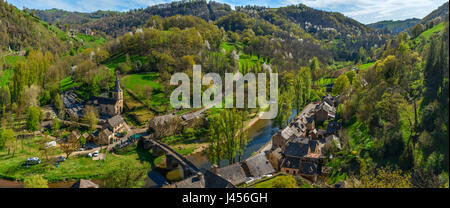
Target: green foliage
(383,178)
(342,84)
(129,176)
(35,181)
(34,118)
(226,136)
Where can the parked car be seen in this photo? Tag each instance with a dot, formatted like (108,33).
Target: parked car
(33,161)
(89,155)
(95,154)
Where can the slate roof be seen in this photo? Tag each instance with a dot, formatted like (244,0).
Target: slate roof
(117,89)
(107,132)
(234,173)
(214,181)
(105,101)
(84,184)
(259,165)
(206,180)
(115,121)
(291,162)
(191,182)
(297,147)
(309,168)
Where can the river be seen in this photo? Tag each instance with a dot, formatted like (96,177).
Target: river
(259,133)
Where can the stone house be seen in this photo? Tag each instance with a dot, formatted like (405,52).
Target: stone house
(258,166)
(116,124)
(323,112)
(110,106)
(275,158)
(233,173)
(295,129)
(202,180)
(303,157)
(105,137)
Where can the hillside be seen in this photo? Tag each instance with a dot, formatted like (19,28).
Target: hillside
(118,23)
(395,27)
(439,15)
(20,31)
(341,35)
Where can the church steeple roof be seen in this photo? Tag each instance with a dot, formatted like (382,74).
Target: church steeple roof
(118,89)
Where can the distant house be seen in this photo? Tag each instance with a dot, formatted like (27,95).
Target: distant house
(84,184)
(258,166)
(303,157)
(234,173)
(324,111)
(116,124)
(275,158)
(105,137)
(74,135)
(333,127)
(110,106)
(318,134)
(332,101)
(200,180)
(295,129)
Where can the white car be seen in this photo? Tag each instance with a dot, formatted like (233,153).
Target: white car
(89,155)
(95,154)
(33,161)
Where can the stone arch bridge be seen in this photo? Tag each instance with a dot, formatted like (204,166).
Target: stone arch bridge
(173,158)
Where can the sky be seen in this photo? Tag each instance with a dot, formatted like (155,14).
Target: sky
(364,11)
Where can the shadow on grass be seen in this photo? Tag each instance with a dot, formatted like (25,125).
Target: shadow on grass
(145,155)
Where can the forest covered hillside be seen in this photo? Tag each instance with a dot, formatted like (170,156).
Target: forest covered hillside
(394,26)
(20,31)
(372,104)
(341,35)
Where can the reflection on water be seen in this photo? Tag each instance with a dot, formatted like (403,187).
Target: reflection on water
(259,134)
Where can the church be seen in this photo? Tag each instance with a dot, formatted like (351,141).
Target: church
(110,106)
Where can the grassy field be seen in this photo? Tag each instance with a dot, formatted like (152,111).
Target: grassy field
(325,81)
(145,107)
(5,76)
(434,30)
(67,84)
(426,35)
(269,183)
(113,61)
(243,58)
(367,65)
(72,168)
(90,41)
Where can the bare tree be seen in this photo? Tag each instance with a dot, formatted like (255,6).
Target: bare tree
(70,146)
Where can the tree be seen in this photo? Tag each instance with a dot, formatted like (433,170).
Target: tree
(59,105)
(35,181)
(416,30)
(5,98)
(383,178)
(315,68)
(130,175)
(341,84)
(34,118)
(123,68)
(70,146)
(6,138)
(227,137)
(284,182)
(90,117)
(55,125)
(43,147)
